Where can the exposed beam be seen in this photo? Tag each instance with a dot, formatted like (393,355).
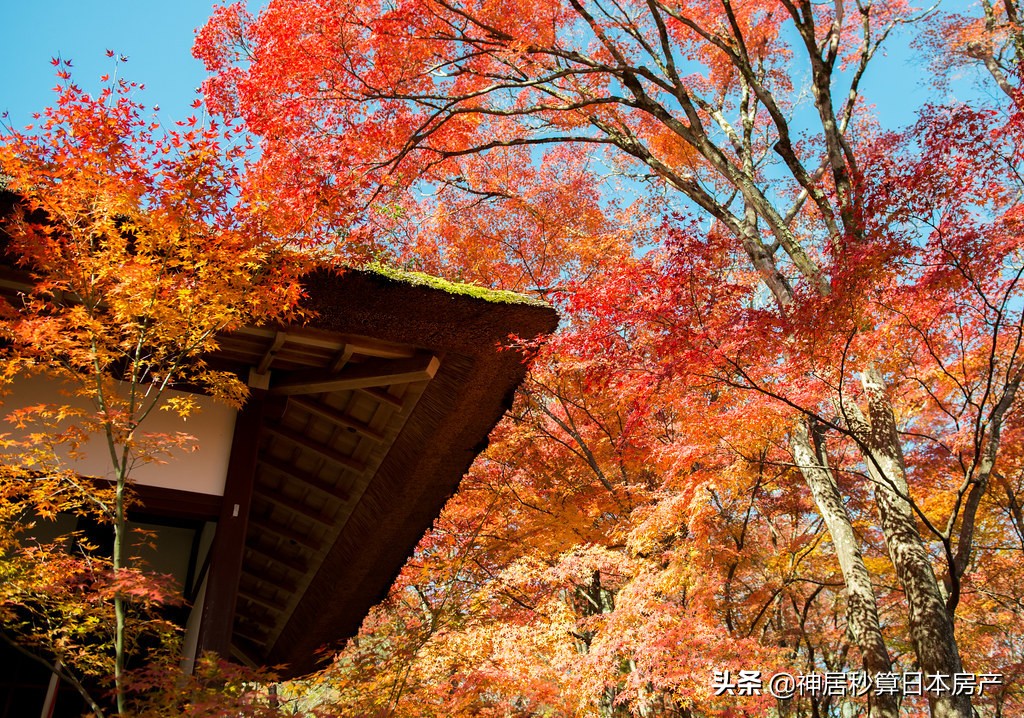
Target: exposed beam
(268,358)
(367,346)
(378,348)
(248,653)
(257,599)
(258,616)
(250,631)
(296,334)
(257,380)
(241,633)
(337,417)
(329,453)
(278,584)
(342,358)
(283,467)
(371,373)
(299,507)
(295,565)
(385,397)
(286,533)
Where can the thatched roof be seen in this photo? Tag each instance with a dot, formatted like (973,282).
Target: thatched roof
(421,437)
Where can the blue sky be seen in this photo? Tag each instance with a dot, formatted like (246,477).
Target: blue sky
(157,38)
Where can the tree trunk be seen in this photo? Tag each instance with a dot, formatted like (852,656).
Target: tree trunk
(861,605)
(931,626)
(119,600)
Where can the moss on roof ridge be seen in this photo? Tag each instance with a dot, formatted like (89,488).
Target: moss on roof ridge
(420,279)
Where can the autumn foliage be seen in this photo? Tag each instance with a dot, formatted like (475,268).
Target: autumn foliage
(137,247)
(779,428)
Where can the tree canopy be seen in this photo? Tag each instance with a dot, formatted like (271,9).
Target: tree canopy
(134,248)
(779,431)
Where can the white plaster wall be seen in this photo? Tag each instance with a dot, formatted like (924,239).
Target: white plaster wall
(201,471)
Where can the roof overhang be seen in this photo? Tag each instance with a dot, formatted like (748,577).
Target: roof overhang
(375,409)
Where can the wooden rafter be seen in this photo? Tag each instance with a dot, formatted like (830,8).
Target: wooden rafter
(368,346)
(371,373)
(279,339)
(377,348)
(297,335)
(341,359)
(299,507)
(295,565)
(256,615)
(250,630)
(385,397)
(283,467)
(251,582)
(286,533)
(335,416)
(244,634)
(246,651)
(256,598)
(329,453)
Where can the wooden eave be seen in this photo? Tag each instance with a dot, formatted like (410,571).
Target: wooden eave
(375,410)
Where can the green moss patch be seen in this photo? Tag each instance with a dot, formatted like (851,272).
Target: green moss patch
(419,279)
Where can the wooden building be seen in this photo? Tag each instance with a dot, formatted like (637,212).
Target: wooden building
(359,428)
(298,512)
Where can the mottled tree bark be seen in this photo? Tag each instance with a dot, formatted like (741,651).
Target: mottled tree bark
(861,605)
(931,626)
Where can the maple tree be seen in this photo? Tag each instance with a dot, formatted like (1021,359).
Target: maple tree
(142,244)
(824,336)
(992,40)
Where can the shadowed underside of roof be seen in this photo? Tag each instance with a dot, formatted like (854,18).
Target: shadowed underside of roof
(375,410)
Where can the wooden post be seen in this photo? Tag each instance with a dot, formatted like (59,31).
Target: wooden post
(228,547)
